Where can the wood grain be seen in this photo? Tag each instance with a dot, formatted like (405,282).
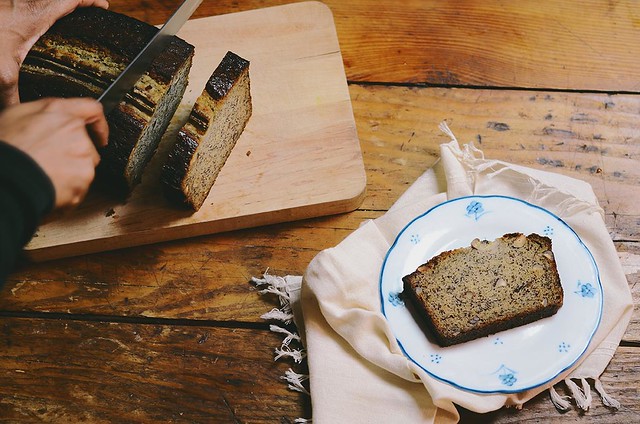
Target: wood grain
(281,169)
(525,44)
(101,372)
(592,137)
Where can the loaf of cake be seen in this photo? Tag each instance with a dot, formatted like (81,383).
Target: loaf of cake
(490,286)
(205,142)
(82,54)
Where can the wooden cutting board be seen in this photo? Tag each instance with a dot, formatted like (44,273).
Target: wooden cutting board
(299,156)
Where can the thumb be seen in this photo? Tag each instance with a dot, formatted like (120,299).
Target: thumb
(8,86)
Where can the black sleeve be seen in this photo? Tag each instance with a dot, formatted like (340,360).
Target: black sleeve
(26,196)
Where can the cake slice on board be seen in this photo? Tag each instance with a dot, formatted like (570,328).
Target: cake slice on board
(204,143)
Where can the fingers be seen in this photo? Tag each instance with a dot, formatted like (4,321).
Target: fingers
(93,114)
(97,3)
(74,186)
(25,22)
(8,82)
(8,96)
(99,129)
(55,133)
(57,9)
(99,133)
(89,110)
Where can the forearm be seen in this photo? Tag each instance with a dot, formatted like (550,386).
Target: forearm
(26,195)
(12,229)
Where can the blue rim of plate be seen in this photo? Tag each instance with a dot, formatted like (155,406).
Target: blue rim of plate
(551,214)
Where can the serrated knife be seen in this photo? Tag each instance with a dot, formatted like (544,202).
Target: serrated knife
(114,94)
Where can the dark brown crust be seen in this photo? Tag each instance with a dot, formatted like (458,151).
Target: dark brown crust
(121,38)
(426,315)
(226,74)
(177,166)
(124,130)
(98,30)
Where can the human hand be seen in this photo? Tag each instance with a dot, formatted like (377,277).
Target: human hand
(57,134)
(22,22)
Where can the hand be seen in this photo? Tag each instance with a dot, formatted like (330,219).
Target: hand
(57,134)
(22,22)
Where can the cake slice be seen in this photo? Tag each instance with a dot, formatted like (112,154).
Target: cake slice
(81,54)
(490,286)
(205,142)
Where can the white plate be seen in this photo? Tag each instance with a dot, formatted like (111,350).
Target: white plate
(510,361)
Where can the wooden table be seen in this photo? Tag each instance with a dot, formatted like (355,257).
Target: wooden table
(171,332)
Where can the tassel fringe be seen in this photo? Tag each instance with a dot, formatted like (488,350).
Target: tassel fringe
(560,402)
(290,336)
(295,381)
(445,129)
(581,395)
(606,399)
(282,288)
(278,315)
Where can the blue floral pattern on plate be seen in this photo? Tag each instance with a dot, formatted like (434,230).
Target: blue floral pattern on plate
(564,347)
(506,376)
(586,289)
(395,300)
(475,210)
(510,361)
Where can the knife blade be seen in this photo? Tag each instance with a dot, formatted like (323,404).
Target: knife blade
(112,96)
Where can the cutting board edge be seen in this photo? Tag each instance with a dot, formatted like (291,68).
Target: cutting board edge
(123,241)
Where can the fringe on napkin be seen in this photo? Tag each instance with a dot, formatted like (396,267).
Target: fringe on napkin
(283,288)
(581,395)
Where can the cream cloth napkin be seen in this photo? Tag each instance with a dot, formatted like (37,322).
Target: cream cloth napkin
(357,372)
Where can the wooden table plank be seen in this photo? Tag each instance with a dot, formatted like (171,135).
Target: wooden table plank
(114,372)
(99,372)
(469,43)
(184,279)
(592,137)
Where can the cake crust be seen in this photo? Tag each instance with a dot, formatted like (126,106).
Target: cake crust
(490,286)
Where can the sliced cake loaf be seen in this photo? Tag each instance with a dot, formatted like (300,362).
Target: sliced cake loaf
(205,142)
(490,286)
(82,54)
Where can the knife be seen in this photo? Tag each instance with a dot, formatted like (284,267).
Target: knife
(114,94)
